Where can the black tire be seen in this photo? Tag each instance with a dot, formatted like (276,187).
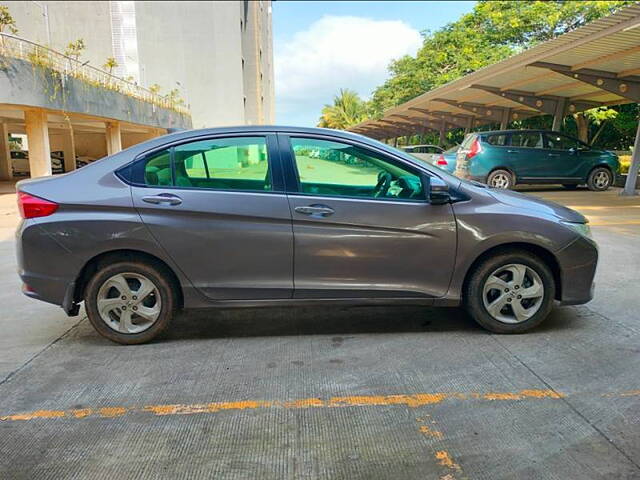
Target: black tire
(502,179)
(165,288)
(570,186)
(473,291)
(600,179)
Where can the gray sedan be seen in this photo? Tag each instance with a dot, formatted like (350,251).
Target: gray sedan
(264,216)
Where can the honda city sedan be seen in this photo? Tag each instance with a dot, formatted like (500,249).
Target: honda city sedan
(275,216)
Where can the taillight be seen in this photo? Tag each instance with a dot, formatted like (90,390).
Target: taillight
(441,161)
(31,207)
(474,149)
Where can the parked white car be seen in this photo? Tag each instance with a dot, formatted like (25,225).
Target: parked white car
(427,153)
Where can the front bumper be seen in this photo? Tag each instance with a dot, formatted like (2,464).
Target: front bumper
(578,262)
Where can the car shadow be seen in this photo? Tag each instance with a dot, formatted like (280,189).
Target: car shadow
(295,321)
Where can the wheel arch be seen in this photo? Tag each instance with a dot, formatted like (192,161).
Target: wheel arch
(92,266)
(545,255)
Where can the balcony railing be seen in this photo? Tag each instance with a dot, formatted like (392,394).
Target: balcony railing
(16,47)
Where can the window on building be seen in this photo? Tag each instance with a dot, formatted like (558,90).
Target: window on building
(330,168)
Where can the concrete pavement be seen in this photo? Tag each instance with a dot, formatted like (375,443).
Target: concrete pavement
(360,393)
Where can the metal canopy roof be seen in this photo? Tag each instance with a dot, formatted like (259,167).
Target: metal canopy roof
(596,64)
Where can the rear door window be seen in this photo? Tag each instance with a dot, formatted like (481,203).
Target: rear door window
(498,140)
(526,139)
(157,169)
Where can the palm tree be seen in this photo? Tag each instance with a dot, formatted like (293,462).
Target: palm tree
(110,64)
(348,109)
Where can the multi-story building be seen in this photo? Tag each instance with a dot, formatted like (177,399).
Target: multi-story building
(217,55)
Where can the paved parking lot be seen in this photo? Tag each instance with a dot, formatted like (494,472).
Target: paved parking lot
(360,393)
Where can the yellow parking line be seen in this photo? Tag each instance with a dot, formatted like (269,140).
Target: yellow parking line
(622,222)
(411,401)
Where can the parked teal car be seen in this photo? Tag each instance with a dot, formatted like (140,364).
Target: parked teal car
(503,159)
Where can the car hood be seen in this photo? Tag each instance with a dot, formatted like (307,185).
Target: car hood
(529,202)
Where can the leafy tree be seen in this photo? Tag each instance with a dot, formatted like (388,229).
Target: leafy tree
(175,98)
(75,49)
(155,89)
(110,64)
(7,21)
(493,31)
(348,109)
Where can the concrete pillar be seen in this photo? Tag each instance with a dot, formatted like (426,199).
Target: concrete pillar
(38,138)
(69,150)
(559,115)
(5,153)
(506,116)
(634,168)
(114,138)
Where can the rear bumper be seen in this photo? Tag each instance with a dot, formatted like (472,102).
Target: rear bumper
(578,262)
(46,269)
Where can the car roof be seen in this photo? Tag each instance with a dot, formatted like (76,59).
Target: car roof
(262,129)
(516,130)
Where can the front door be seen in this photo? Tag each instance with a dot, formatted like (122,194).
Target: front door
(362,227)
(564,162)
(219,210)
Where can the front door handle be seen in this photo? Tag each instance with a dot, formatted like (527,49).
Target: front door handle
(513,151)
(554,154)
(163,198)
(315,210)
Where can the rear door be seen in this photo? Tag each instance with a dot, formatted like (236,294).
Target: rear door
(529,158)
(363,229)
(217,206)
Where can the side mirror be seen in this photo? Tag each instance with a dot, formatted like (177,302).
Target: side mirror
(436,190)
(573,150)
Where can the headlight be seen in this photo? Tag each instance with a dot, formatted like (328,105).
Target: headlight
(581,228)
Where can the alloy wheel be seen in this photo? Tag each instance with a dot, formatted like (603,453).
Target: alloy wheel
(513,293)
(601,179)
(501,180)
(129,303)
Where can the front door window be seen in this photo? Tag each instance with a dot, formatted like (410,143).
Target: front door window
(329,168)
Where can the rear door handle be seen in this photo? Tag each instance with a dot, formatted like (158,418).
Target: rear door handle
(315,210)
(513,151)
(554,154)
(166,198)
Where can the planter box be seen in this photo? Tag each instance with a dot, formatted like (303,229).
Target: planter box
(622,179)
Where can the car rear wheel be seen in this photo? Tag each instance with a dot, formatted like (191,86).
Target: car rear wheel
(501,179)
(130,302)
(511,292)
(600,179)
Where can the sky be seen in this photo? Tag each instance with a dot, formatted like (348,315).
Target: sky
(322,46)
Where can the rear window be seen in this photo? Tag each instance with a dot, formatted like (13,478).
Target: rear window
(499,140)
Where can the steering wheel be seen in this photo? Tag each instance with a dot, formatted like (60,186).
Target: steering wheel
(384,182)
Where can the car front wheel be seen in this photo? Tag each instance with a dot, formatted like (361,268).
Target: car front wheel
(130,302)
(600,179)
(510,292)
